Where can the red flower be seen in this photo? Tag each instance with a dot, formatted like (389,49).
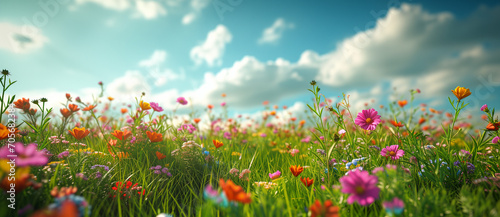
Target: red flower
(326,210)
(73,108)
(402,103)
(65,112)
(296,170)
(396,124)
(121,135)
(23,104)
(88,108)
(234,192)
(154,137)
(160,155)
(217,143)
(307,181)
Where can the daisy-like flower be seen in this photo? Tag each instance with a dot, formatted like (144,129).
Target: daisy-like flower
(368,119)
(362,186)
(461,92)
(156,107)
(144,105)
(181,100)
(392,151)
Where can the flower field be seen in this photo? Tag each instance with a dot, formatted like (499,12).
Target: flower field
(98,157)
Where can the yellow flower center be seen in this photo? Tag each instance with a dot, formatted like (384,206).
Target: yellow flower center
(359,190)
(369,121)
(392,153)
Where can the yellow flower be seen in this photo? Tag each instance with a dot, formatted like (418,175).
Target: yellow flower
(56,162)
(458,142)
(461,92)
(236,153)
(144,105)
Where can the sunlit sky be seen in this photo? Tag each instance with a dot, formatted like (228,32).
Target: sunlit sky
(252,50)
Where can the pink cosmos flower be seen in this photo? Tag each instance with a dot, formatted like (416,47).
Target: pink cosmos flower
(495,140)
(156,107)
(392,151)
(182,100)
(368,119)
(24,155)
(362,186)
(275,175)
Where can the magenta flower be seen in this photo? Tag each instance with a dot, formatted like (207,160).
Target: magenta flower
(392,151)
(484,107)
(275,175)
(368,119)
(362,186)
(24,155)
(156,107)
(396,206)
(495,140)
(223,104)
(182,100)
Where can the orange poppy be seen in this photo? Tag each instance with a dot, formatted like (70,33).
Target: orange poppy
(307,181)
(65,112)
(234,192)
(124,110)
(302,122)
(461,92)
(197,120)
(327,209)
(293,119)
(421,121)
(210,106)
(154,137)
(79,133)
(23,104)
(402,103)
(396,124)
(88,108)
(160,155)
(296,170)
(73,108)
(121,135)
(144,105)
(217,143)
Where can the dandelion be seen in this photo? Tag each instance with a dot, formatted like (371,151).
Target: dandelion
(392,151)
(395,206)
(362,187)
(144,105)
(79,133)
(368,119)
(461,92)
(181,100)
(275,175)
(326,209)
(307,181)
(296,170)
(154,137)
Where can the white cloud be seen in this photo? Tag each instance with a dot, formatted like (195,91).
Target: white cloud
(157,58)
(212,49)
(188,18)
(149,9)
(154,65)
(21,39)
(274,33)
(118,5)
(132,84)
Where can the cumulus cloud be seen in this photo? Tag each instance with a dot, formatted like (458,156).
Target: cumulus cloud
(118,5)
(274,33)
(157,58)
(149,9)
(21,39)
(131,84)
(155,68)
(212,49)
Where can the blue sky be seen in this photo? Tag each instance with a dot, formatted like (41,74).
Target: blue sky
(252,50)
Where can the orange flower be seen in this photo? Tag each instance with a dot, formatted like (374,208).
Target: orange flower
(89,108)
(234,192)
(20,178)
(324,210)
(272,113)
(124,110)
(65,112)
(432,110)
(64,191)
(293,119)
(79,133)
(110,98)
(121,135)
(402,103)
(302,122)
(73,108)
(160,155)
(396,124)
(461,92)
(217,143)
(210,106)
(122,155)
(33,111)
(223,95)
(197,120)
(4,132)
(421,121)
(154,137)
(493,127)
(144,105)
(296,170)
(307,181)
(23,104)
(111,142)
(68,209)
(449,115)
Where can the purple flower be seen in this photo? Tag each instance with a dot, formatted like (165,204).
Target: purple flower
(368,119)
(156,107)
(158,167)
(484,108)
(24,155)
(98,175)
(164,170)
(227,135)
(63,154)
(362,187)
(157,171)
(395,206)
(495,140)
(181,100)
(392,151)
(81,176)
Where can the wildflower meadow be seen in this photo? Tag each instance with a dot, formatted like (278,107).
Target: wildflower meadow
(97,157)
